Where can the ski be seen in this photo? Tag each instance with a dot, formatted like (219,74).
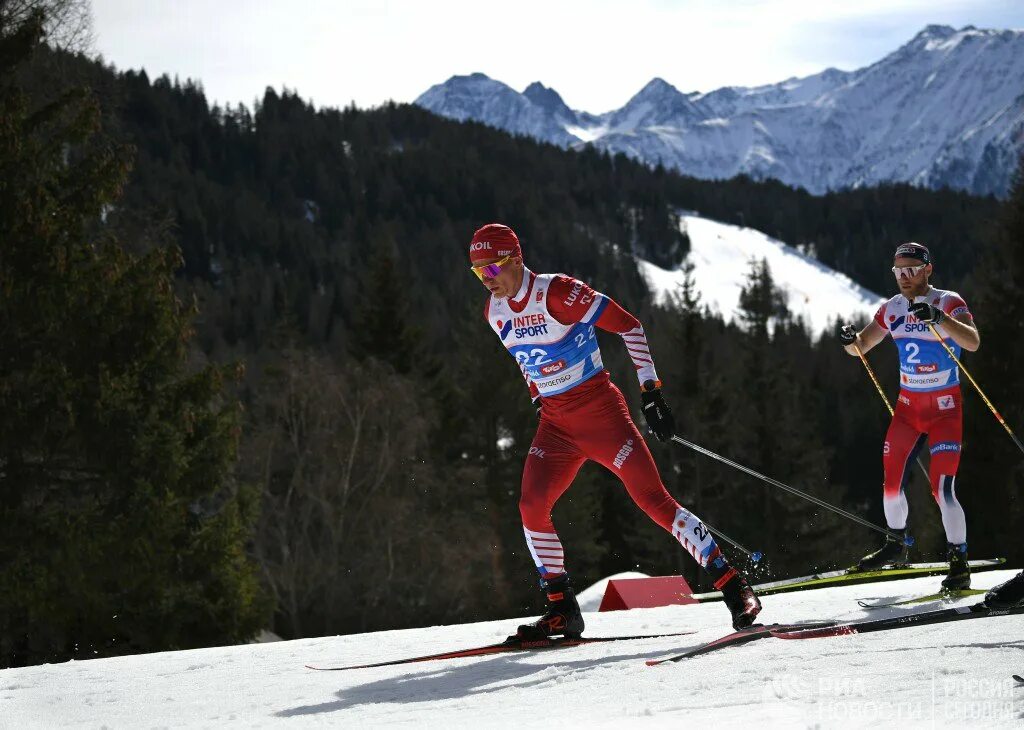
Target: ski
(944,596)
(737,638)
(851,576)
(943,615)
(511,644)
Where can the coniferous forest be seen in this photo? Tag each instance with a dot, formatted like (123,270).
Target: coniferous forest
(245,381)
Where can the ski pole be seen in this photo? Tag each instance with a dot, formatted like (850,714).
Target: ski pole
(905,540)
(756,555)
(977,387)
(878,387)
(871,373)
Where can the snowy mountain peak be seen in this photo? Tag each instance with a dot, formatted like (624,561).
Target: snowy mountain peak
(474,80)
(944,38)
(480,98)
(463,96)
(657,87)
(937,31)
(550,100)
(946,109)
(657,103)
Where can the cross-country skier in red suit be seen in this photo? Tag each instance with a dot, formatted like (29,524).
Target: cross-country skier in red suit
(547,322)
(929,403)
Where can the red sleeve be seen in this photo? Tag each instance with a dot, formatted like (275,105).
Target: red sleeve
(880,317)
(613,318)
(954,306)
(616,319)
(570,300)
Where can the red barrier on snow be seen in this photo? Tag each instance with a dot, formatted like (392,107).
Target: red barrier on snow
(665,590)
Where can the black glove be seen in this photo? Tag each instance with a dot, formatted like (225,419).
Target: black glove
(847,334)
(927,313)
(656,411)
(537,404)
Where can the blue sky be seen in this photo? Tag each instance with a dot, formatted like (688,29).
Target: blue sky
(596,53)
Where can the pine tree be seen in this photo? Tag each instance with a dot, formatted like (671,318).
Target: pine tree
(123,527)
(773,404)
(382,329)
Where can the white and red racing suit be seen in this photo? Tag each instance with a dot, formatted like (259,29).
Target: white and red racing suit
(928,408)
(549,328)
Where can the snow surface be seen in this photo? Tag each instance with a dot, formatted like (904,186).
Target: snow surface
(721,255)
(947,675)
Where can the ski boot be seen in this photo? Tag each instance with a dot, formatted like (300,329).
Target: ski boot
(1007,595)
(959,576)
(739,597)
(742,601)
(563,617)
(893,552)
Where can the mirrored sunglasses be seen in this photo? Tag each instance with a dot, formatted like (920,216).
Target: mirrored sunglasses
(490,270)
(907,271)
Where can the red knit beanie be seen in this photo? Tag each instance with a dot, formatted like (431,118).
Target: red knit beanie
(494,241)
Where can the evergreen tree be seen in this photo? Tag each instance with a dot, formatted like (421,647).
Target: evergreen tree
(382,329)
(123,527)
(773,406)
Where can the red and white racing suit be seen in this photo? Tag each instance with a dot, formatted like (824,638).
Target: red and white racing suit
(548,326)
(928,408)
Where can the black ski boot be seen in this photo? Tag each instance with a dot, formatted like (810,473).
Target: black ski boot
(563,617)
(893,552)
(959,576)
(1007,595)
(742,601)
(738,595)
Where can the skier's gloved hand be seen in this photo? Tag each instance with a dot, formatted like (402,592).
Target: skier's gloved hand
(847,335)
(927,313)
(656,411)
(537,404)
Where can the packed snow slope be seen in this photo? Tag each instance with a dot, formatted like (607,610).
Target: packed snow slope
(721,255)
(945,109)
(949,675)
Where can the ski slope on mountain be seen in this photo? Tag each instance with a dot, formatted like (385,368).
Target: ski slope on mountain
(721,255)
(948,675)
